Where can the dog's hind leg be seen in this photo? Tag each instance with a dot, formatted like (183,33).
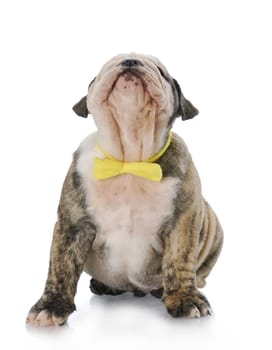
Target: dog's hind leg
(212,235)
(157,293)
(99,288)
(206,267)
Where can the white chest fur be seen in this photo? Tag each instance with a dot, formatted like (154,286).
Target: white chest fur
(128,212)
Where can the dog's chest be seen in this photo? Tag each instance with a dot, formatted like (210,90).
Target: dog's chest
(129,212)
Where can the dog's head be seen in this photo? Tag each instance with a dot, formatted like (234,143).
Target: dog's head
(132,76)
(134,102)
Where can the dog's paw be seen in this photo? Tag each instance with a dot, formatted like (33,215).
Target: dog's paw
(50,311)
(45,318)
(187,303)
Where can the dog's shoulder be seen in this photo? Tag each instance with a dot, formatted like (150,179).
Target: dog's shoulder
(73,194)
(87,147)
(176,159)
(85,154)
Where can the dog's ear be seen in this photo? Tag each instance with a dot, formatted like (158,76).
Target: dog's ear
(80,108)
(185,108)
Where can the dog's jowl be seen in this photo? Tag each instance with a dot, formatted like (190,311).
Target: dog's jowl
(131,212)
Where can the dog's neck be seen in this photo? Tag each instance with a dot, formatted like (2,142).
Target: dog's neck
(131,135)
(129,125)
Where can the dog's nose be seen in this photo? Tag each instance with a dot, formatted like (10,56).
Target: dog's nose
(131,63)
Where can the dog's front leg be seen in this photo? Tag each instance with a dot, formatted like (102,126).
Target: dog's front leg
(181,296)
(68,254)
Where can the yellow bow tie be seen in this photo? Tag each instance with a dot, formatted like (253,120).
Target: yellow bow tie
(110,167)
(106,168)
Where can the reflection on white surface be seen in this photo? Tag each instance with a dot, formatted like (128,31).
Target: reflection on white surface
(126,321)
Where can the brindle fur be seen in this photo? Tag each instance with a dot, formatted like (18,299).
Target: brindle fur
(190,242)
(73,234)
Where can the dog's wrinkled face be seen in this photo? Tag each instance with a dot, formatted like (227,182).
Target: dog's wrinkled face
(134,99)
(131,79)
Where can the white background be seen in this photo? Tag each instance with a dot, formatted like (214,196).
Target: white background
(220,52)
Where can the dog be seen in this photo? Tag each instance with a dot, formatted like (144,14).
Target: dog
(131,212)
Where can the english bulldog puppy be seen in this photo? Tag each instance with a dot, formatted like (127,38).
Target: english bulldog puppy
(131,212)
